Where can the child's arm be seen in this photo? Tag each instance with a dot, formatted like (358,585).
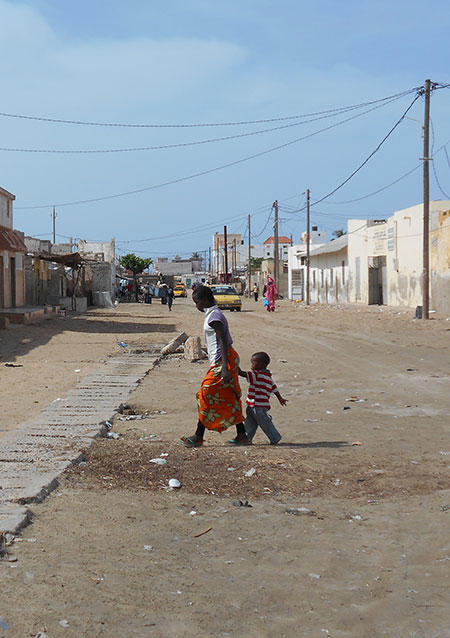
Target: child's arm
(280,398)
(241,373)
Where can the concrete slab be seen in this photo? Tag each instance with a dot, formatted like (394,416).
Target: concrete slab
(33,456)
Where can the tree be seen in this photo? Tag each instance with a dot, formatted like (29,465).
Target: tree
(255,263)
(338,233)
(137,265)
(195,257)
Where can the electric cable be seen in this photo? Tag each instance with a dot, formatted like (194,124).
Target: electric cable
(377,148)
(203,124)
(165,146)
(210,170)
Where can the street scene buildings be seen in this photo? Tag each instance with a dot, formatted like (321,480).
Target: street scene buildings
(224,319)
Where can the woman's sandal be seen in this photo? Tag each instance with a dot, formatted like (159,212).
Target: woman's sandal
(189,441)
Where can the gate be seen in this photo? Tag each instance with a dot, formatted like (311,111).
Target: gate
(297,285)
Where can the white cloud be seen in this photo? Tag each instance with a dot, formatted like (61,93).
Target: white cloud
(40,68)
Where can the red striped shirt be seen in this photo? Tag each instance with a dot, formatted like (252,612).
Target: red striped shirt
(260,388)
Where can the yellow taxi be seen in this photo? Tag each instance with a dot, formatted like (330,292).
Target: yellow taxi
(226,297)
(179,290)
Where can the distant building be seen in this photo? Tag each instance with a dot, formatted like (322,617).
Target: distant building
(12,250)
(176,267)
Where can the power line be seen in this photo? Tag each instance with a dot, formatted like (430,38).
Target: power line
(379,190)
(210,170)
(166,146)
(203,124)
(388,134)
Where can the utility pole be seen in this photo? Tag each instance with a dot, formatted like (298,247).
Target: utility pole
(209,261)
(249,267)
(276,249)
(233,271)
(225,246)
(426,205)
(308,239)
(54,225)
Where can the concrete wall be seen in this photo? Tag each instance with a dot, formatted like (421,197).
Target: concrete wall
(440,261)
(105,248)
(405,256)
(6,211)
(329,277)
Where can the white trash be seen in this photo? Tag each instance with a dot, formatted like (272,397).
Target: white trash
(174,483)
(158,461)
(250,472)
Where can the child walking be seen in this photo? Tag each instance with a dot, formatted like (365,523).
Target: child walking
(258,398)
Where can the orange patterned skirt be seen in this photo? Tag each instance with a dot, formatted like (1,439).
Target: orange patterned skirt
(219,404)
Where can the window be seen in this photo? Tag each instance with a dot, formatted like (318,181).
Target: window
(321,278)
(314,277)
(343,272)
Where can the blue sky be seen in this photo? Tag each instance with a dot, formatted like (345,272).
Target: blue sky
(193,61)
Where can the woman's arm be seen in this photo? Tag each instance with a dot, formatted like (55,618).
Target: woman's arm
(220,336)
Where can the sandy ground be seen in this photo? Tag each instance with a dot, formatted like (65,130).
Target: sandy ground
(341,539)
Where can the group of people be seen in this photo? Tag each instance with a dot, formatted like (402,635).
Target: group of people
(219,397)
(162,291)
(270,294)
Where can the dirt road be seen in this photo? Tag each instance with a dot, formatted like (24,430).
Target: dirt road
(341,539)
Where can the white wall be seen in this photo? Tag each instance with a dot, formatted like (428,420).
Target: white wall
(405,253)
(6,211)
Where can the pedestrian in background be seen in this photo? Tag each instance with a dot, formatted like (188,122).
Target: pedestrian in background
(255,292)
(170,296)
(270,294)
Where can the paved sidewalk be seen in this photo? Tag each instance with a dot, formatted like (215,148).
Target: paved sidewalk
(33,456)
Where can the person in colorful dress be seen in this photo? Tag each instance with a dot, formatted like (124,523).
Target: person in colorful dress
(219,397)
(270,293)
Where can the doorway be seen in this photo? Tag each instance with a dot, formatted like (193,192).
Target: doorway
(377,278)
(12,270)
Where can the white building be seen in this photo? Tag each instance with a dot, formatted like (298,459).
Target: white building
(12,250)
(379,262)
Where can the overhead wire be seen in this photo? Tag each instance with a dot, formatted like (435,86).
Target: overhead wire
(433,163)
(202,124)
(214,169)
(366,160)
(170,146)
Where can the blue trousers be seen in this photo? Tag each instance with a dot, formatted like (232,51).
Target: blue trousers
(260,417)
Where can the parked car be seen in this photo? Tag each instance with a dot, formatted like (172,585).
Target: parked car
(227,297)
(179,290)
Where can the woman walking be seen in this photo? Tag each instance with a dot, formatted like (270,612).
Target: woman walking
(219,397)
(270,293)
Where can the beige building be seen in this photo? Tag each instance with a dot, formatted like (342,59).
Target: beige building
(12,250)
(379,262)
(386,258)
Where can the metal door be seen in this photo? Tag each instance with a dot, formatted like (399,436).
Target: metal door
(297,285)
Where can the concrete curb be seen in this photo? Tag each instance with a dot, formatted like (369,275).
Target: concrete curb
(33,456)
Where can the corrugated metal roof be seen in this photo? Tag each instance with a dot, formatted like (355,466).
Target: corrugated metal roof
(332,247)
(12,241)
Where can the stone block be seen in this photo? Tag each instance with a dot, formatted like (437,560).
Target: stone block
(4,323)
(193,349)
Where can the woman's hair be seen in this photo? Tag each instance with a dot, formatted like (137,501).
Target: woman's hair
(205,294)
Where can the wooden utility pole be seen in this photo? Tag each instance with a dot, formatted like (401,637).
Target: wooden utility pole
(249,267)
(426,205)
(308,239)
(276,254)
(54,225)
(233,271)
(209,261)
(225,247)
